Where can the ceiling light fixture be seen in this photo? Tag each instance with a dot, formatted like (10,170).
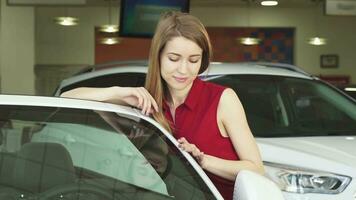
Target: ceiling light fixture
(66,21)
(110,40)
(109,28)
(269,3)
(317,41)
(249,40)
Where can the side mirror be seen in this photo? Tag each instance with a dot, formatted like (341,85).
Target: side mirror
(252,186)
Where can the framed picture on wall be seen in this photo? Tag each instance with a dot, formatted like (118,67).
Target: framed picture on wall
(329,61)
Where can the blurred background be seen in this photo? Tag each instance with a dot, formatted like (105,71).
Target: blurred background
(39,49)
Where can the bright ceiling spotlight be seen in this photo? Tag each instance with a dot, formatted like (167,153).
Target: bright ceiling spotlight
(249,40)
(269,3)
(109,28)
(110,40)
(317,41)
(66,21)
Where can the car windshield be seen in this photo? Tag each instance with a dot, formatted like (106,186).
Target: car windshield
(63,153)
(291,107)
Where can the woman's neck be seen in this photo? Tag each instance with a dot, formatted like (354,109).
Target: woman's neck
(178,96)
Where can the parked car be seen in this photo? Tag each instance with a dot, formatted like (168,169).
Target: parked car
(125,73)
(349,90)
(57,148)
(304,127)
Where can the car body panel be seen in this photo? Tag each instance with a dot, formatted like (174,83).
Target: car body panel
(336,154)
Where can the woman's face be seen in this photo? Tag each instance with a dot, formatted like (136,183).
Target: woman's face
(180,63)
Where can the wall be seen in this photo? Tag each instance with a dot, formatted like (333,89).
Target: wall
(340,32)
(75,45)
(57,44)
(17,51)
(121,51)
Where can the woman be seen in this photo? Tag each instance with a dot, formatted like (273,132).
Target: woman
(207,119)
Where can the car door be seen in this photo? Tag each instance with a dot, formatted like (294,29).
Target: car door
(110,155)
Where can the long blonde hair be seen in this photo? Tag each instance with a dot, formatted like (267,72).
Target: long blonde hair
(170,25)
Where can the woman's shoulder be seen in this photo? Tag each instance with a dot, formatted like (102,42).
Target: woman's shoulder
(213,87)
(229,100)
(212,91)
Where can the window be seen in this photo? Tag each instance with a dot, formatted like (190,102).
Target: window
(283,107)
(101,155)
(117,79)
(318,109)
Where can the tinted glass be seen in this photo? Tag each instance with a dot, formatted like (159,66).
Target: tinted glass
(283,107)
(58,153)
(118,79)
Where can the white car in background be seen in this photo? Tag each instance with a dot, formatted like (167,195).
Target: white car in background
(57,148)
(304,127)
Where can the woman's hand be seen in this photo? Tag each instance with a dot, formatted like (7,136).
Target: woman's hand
(138,97)
(134,96)
(193,150)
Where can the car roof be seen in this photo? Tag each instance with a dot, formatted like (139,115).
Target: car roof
(257,68)
(28,100)
(248,68)
(112,64)
(114,70)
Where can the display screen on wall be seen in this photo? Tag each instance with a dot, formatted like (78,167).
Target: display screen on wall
(138,18)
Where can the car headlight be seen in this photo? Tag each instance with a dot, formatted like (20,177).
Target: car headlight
(300,180)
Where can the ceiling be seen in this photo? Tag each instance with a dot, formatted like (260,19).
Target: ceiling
(282,3)
(287,3)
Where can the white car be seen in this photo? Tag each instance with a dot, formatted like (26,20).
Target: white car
(57,148)
(304,127)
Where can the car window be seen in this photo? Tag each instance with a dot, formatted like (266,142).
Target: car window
(284,107)
(349,90)
(319,109)
(117,79)
(60,152)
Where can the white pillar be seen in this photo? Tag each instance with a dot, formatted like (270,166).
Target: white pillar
(17,52)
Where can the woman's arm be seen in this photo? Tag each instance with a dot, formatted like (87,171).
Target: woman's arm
(232,115)
(135,96)
(108,94)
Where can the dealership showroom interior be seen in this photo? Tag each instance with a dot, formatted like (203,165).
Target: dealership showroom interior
(292,64)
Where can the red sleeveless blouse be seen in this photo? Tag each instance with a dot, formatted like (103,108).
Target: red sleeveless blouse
(196,120)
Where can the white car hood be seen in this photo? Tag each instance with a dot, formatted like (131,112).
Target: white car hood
(335,154)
